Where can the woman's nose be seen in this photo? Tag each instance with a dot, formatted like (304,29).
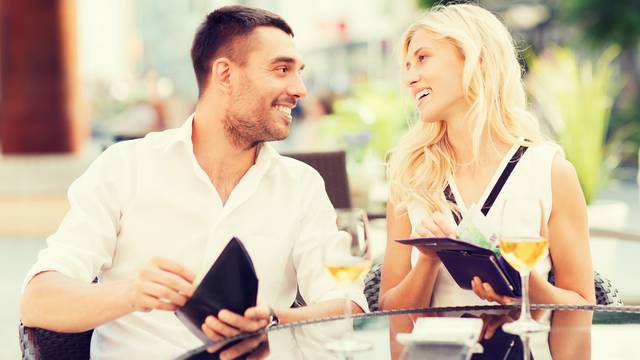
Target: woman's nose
(411,77)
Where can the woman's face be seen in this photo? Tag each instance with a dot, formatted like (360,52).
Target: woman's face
(433,73)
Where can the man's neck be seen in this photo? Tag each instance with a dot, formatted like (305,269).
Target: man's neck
(223,162)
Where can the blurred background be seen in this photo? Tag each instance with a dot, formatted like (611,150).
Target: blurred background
(79,75)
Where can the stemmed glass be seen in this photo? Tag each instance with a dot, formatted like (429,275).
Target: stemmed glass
(522,244)
(347,258)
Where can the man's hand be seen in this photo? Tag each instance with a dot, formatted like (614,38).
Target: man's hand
(160,285)
(257,346)
(228,323)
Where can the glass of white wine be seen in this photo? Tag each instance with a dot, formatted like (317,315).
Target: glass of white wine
(347,258)
(522,244)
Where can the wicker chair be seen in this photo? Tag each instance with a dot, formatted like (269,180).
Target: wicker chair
(40,344)
(332,167)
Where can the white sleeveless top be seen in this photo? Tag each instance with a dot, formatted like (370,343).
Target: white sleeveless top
(531,176)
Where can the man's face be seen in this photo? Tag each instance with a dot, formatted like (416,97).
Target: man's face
(264,89)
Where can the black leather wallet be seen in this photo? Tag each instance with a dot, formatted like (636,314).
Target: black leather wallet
(231,283)
(464,261)
(501,346)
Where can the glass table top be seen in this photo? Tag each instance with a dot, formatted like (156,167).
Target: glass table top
(576,332)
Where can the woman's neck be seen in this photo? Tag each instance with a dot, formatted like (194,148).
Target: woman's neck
(460,136)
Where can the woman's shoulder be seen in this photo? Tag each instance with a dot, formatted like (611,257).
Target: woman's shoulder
(563,172)
(546,148)
(542,154)
(548,162)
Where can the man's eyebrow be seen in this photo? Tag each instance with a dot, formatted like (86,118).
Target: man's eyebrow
(286,59)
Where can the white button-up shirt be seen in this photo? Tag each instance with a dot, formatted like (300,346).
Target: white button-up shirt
(149,197)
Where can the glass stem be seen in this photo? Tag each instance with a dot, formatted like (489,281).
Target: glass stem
(525,312)
(525,347)
(347,315)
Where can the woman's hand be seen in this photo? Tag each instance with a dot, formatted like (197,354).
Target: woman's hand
(486,292)
(491,323)
(435,225)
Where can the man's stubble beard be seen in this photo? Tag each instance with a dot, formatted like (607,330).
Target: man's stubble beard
(246,130)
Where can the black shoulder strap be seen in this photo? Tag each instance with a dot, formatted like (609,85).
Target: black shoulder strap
(448,194)
(503,179)
(496,188)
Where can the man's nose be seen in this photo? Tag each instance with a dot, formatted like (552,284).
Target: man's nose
(298,89)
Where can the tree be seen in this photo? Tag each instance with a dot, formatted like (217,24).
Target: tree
(612,22)
(605,22)
(425,4)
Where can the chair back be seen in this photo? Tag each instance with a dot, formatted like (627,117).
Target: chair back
(332,167)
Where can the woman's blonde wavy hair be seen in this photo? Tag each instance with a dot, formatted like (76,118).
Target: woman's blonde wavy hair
(492,81)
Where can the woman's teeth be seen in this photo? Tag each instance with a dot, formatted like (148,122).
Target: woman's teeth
(422,94)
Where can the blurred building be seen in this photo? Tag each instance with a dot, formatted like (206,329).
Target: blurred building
(41,109)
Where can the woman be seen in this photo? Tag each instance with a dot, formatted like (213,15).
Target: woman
(461,67)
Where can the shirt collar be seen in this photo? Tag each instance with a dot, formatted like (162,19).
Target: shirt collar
(265,152)
(266,155)
(181,134)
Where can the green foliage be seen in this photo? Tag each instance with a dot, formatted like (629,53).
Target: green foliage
(425,4)
(605,22)
(372,119)
(576,98)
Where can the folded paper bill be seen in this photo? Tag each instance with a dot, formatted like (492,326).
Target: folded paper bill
(475,229)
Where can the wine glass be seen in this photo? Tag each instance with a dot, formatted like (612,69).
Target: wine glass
(347,258)
(522,245)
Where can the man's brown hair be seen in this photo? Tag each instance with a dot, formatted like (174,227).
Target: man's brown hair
(220,33)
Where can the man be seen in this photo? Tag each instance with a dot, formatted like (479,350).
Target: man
(149,214)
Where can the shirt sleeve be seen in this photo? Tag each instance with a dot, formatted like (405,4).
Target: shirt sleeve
(84,243)
(319,225)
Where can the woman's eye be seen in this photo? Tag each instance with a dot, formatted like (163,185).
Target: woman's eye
(282,69)
(421,58)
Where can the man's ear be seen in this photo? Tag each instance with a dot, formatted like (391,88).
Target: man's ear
(221,74)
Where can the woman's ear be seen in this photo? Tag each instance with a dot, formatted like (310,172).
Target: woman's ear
(221,74)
